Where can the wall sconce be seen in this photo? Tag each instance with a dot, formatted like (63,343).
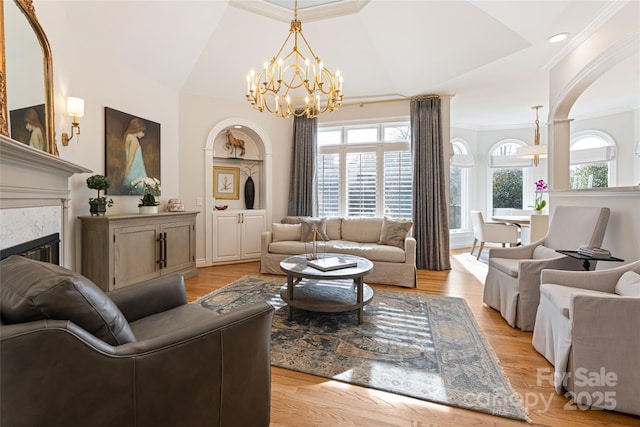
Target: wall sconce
(75,108)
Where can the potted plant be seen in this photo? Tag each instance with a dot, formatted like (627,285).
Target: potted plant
(98,205)
(539,202)
(150,189)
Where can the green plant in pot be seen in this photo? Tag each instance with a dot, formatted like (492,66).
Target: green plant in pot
(98,205)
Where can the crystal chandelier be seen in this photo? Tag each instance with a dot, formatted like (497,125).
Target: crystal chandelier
(535,151)
(295,84)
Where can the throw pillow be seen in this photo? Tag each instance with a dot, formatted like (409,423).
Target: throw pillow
(394,232)
(293,219)
(309,225)
(32,290)
(362,230)
(284,232)
(629,284)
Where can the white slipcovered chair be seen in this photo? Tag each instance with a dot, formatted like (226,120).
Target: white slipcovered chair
(494,232)
(587,326)
(512,285)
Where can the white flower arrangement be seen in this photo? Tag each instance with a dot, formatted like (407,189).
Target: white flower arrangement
(150,190)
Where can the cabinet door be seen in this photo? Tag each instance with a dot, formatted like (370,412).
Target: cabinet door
(136,251)
(178,254)
(226,238)
(253,224)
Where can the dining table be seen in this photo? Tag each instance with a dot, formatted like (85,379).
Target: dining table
(518,220)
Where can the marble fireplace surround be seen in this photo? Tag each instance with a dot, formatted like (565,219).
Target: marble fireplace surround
(34,194)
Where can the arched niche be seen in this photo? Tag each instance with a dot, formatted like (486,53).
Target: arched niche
(259,154)
(559,123)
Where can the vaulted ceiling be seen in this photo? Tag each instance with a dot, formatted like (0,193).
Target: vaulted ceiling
(492,55)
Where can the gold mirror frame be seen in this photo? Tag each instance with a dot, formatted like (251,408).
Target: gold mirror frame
(27,8)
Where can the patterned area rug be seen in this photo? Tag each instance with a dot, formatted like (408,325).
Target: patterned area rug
(423,346)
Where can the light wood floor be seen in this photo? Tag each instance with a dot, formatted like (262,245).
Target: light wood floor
(301,400)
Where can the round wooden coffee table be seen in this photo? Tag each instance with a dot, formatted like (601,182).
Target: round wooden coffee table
(331,291)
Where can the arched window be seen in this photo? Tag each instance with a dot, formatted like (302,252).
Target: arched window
(461,161)
(508,174)
(592,156)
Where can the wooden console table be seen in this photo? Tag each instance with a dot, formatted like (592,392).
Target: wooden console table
(120,250)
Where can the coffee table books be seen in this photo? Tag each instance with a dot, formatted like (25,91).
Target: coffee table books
(331,263)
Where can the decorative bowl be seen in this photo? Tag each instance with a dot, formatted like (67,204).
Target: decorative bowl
(221,208)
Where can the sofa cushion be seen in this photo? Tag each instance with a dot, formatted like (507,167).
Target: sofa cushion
(283,232)
(629,284)
(370,251)
(32,290)
(506,265)
(362,230)
(288,247)
(334,228)
(560,296)
(309,225)
(394,232)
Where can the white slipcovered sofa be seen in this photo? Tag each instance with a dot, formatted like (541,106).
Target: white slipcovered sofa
(380,240)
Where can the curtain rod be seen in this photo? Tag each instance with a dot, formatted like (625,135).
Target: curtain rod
(406,98)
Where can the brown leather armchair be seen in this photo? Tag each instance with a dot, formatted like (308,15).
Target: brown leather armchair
(138,356)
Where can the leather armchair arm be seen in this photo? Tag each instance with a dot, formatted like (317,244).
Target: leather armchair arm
(152,296)
(214,324)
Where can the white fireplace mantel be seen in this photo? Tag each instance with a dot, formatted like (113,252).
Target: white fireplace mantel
(31,178)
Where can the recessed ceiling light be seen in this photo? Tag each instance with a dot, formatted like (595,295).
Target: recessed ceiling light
(558,37)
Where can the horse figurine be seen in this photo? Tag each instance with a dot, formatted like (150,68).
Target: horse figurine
(233,144)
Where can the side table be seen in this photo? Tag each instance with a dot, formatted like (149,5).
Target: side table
(586,258)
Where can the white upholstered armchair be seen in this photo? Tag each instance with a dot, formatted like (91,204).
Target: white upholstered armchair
(587,326)
(494,232)
(512,285)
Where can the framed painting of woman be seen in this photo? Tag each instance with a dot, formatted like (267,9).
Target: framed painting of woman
(132,150)
(27,126)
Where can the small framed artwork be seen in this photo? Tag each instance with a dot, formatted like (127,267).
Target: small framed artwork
(226,183)
(132,150)
(27,126)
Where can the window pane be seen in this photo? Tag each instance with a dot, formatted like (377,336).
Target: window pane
(361,184)
(328,185)
(593,175)
(507,149)
(398,184)
(455,199)
(396,133)
(329,137)
(507,189)
(362,135)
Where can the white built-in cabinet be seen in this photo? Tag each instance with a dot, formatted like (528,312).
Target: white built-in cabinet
(233,228)
(237,234)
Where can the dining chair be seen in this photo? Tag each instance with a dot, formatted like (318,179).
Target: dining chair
(493,232)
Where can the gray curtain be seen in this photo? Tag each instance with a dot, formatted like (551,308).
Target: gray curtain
(430,211)
(303,167)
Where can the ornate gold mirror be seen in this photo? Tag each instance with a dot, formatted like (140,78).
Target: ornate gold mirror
(26,78)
